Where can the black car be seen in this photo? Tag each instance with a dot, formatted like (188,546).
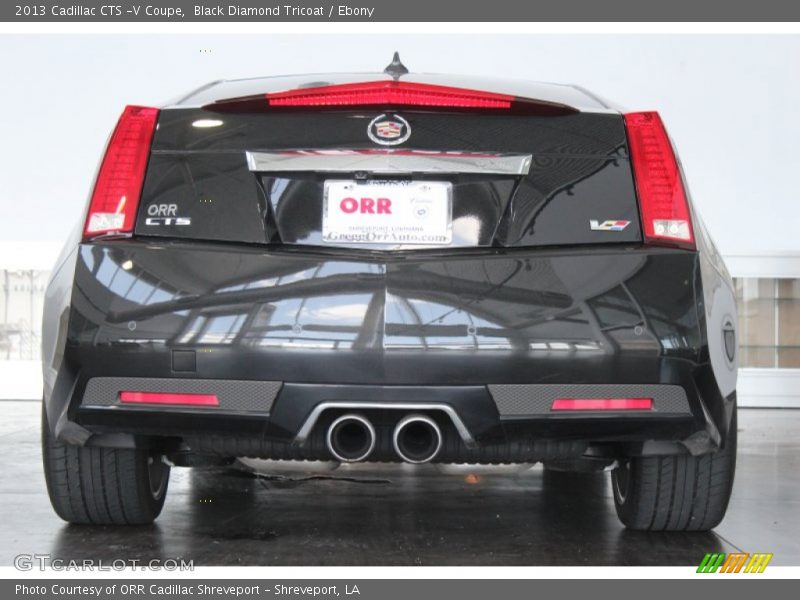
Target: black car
(390,267)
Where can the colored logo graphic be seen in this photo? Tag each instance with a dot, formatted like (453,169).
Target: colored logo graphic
(608,225)
(738,562)
(389,130)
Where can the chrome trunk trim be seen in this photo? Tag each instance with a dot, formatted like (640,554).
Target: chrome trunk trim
(389,162)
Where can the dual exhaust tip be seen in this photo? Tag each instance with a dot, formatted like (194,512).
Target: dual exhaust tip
(417,438)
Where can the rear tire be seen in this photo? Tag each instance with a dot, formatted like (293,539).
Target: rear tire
(103,486)
(676,493)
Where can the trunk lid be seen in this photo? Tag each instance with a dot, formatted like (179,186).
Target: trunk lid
(204,183)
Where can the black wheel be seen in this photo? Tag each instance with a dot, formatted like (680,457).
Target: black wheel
(103,486)
(676,493)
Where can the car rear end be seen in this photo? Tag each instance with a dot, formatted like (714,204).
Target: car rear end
(367,268)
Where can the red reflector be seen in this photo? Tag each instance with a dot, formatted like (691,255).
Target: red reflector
(168,398)
(602,404)
(662,198)
(119,181)
(397,93)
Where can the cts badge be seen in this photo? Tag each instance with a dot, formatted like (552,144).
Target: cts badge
(388,130)
(608,225)
(165,214)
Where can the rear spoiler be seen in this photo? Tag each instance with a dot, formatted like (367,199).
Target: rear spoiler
(390,93)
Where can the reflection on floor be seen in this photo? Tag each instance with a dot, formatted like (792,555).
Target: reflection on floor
(398,515)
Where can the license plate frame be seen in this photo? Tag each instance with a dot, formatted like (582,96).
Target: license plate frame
(386,212)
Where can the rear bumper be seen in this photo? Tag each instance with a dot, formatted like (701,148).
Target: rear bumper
(493,335)
(288,420)
(291,411)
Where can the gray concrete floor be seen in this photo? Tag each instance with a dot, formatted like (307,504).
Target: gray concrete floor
(397,515)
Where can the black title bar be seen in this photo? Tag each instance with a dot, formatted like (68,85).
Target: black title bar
(179,11)
(730,588)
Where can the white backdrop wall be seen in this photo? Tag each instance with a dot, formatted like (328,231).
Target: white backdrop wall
(732,103)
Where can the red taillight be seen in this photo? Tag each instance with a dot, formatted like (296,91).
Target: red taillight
(602,404)
(662,198)
(168,398)
(389,93)
(395,93)
(119,182)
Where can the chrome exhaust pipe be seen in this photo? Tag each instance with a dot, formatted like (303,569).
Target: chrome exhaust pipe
(351,438)
(417,439)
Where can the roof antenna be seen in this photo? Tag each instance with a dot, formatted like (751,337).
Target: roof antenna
(396,69)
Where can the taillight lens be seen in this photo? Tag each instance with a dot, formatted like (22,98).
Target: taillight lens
(662,199)
(389,93)
(396,93)
(119,183)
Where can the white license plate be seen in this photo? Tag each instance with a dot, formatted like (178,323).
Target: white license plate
(387,212)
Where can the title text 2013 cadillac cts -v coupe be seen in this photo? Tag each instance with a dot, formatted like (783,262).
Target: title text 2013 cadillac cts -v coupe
(390,267)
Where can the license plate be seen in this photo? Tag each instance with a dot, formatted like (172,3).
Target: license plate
(387,212)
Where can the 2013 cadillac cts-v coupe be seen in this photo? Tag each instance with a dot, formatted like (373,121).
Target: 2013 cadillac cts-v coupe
(390,267)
